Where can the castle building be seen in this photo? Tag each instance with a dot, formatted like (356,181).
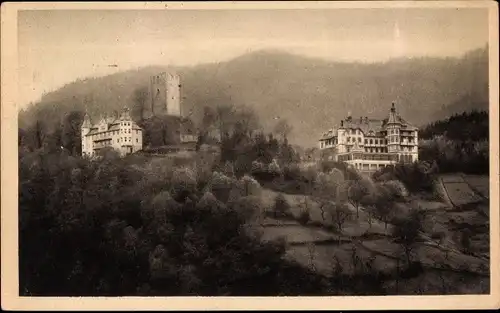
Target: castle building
(164,95)
(164,99)
(370,144)
(120,133)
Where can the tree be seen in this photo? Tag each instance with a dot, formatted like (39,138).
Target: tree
(339,214)
(406,232)
(39,133)
(283,129)
(281,206)
(207,123)
(356,192)
(382,203)
(71,134)
(139,104)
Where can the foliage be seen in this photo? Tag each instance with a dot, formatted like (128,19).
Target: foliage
(339,214)
(416,177)
(281,206)
(406,231)
(471,157)
(304,217)
(472,126)
(356,192)
(112,227)
(458,143)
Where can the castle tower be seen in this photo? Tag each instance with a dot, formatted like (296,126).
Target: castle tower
(393,134)
(164,95)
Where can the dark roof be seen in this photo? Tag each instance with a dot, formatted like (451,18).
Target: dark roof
(329,135)
(366,126)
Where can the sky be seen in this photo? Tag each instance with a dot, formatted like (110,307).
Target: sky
(56,47)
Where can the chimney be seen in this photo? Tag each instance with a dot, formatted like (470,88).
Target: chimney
(341,123)
(393,109)
(360,119)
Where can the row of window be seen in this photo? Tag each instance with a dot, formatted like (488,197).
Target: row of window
(108,143)
(391,131)
(374,150)
(126,139)
(369,141)
(114,132)
(369,157)
(362,166)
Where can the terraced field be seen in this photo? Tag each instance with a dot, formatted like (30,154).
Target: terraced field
(459,191)
(317,246)
(480,183)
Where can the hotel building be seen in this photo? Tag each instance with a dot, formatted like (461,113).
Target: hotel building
(370,144)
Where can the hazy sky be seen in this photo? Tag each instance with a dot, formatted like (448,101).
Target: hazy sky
(57,47)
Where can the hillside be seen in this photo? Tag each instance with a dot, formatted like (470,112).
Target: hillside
(312,94)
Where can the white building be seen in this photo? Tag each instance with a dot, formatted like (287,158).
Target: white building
(120,133)
(370,144)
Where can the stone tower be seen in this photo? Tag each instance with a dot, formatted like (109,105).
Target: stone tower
(164,95)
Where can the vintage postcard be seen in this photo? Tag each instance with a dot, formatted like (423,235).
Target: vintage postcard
(250,155)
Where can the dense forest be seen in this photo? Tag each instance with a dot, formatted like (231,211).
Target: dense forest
(135,226)
(459,143)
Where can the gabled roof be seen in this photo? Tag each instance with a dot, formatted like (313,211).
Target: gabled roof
(365,126)
(328,135)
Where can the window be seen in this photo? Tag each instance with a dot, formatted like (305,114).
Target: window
(359,139)
(366,141)
(348,139)
(136,139)
(371,141)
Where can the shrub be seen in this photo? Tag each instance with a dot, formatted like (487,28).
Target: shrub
(220,185)
(281,206)
(183,183)
(304,217)
(396,189)
(250,186)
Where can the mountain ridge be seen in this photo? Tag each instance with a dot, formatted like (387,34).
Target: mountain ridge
(312,94)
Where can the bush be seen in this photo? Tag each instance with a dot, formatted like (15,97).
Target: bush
(304,217)
(281,207)
(183,183)
(220,185)
(416,177)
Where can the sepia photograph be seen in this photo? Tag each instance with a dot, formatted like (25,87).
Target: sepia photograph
(251,150)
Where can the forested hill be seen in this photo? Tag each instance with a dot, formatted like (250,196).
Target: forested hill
(311,94)
(465,126)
